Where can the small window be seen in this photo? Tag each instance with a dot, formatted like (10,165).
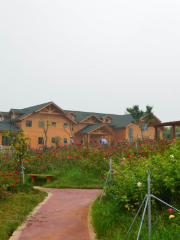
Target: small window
(150,137)
(145,127)
(106,120)
(40,140)
(53,140)
(70,116)
(65,125)
(41,124)
(65,140)
(28,123)
(130,133)
(139,136)
(5,141)
(53,124)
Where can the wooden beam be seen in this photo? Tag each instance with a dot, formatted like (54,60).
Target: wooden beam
(156,133)
(51,113)
(173,131)
(89,138)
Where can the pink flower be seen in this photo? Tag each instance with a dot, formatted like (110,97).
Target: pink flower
(170,210)
(155,169)
(114,172)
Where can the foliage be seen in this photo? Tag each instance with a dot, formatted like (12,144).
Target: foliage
(167,134)
(112,223)
(15,208)
(129,184)
(19,148)
(138,114)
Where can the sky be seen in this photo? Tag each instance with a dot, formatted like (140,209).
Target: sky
(91,55)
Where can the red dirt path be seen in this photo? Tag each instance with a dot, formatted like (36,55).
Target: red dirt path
(62,217)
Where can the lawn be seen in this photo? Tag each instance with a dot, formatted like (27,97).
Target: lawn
(88,166)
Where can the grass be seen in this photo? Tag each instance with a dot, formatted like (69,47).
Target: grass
(14,209)
(112,223)
(72,178)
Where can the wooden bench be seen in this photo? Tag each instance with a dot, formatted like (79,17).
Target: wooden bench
(34,176)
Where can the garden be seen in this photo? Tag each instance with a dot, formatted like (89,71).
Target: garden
(87,166)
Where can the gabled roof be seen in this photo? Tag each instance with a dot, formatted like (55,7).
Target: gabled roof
(4,113)
(92,115)
(92,127)
(9,127)
(117,120)
(108,116)
(27,111)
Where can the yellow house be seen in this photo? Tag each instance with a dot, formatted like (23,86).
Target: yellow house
(48,122)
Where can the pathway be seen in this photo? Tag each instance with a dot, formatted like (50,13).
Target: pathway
(62,217)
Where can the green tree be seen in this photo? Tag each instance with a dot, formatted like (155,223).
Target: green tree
(19,147)
(140,117)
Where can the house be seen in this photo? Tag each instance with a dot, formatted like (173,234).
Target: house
(59,125)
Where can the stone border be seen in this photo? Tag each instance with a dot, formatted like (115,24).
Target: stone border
(18,231)
(91,231)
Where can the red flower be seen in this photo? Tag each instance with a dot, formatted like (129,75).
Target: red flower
(102,177)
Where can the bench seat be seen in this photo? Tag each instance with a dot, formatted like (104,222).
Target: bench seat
(34,176)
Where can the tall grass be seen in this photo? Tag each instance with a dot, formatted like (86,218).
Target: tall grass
(15,208)
(112,223)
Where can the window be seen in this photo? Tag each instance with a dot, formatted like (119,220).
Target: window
(5,141)
(53,124)
(145,127)
(106,120)
(150,137)
(41,124)
(130,133)
(70,116)
(40,140)
(139,136)
(53,140)
(28,123)
(65,140)
(65,125)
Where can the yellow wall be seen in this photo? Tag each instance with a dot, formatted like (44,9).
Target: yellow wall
(35,131)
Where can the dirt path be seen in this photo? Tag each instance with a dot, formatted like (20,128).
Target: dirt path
(62,217)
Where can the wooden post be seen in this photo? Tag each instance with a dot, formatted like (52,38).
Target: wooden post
(88,138)
(156,133)
(173,131)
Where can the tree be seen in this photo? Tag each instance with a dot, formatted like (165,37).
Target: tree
(45,126)
(140,117)
(18,144)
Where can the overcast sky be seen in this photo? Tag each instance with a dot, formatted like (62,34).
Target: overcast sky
(91,55)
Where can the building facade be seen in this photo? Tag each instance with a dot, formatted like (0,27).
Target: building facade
(48,123)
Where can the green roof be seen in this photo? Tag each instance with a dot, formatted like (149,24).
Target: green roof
(4,113)
(117,121)
(9,127)
(90,128)
(27,111)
